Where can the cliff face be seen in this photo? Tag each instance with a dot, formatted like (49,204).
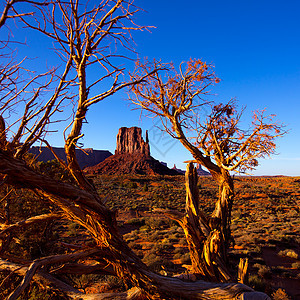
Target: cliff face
(130,141)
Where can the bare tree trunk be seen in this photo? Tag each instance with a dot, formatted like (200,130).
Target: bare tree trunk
(205,240)
(204,236)
(221,217)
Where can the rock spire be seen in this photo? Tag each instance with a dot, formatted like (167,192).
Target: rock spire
(130,141)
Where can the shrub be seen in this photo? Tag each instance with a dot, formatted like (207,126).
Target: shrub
(185,259)
(264,272)
(136,221)
(257,283)
(280,294)
(289,253)
(145,187)
(132,185)
(153,261)
(296,265)
(154,223)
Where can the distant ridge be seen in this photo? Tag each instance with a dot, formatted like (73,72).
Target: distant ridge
(200,171)
(88,157)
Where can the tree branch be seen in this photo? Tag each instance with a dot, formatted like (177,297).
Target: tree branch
(38,263)
(33,220)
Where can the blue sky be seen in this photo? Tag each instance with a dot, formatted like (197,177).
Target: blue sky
(255,48)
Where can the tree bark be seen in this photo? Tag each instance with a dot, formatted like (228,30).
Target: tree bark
(221,217)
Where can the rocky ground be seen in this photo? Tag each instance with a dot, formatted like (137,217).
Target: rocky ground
(265,229)
(265,225)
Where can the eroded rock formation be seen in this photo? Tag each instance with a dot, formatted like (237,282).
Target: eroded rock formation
(132,156)
(130,141)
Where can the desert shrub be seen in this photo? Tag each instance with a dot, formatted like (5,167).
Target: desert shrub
(182,241)
(289,253)
(280,294)
(35,293)
(256,249)
(54,169)
(166,244)
(179,250)
(33,243)
(263,271)
(9,281)
(73,228)
(135,246)
(155,223)
(82,281)
(185,259)
(136,221)
(116,283)
(160,247)
(296,265)
(131,185)
(174,238)
(257,283)
(131,236)
(145,187)
(153,261)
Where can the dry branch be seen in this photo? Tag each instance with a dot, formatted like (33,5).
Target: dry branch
(38,263)
(171,286)
(21,224)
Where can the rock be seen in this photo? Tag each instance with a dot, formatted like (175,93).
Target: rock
(201,172)
(132,156)
(130,164)
(130,141)
(178,170)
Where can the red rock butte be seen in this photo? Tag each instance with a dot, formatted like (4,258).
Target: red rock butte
(130,141)
(132,156)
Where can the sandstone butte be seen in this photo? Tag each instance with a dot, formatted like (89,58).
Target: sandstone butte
(132,156)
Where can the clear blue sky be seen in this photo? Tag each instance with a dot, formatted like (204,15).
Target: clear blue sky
(255,48)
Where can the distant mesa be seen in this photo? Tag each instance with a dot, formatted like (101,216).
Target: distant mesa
(164,163)
(200,171)
(86,158)
(132,156)
(178,170)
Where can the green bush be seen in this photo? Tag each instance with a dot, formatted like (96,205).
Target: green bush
(257,283)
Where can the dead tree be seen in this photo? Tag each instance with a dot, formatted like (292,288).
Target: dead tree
(211,133)
(83,39)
